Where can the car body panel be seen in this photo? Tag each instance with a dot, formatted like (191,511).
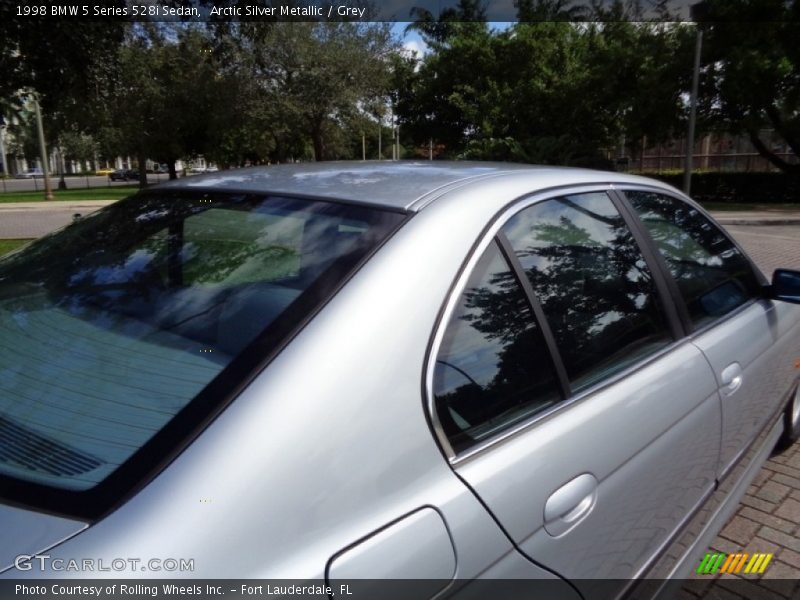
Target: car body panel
(763,341)
(334,444)
(302,517)
(32,532)
(648,480)
(418,546)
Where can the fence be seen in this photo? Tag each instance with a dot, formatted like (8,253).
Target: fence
(73,182)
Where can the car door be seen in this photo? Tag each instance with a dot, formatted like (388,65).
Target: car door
(564,395)
(750,342)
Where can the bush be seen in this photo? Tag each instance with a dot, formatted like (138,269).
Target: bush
(750,188)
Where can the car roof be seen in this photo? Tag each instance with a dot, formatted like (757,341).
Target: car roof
(398,185)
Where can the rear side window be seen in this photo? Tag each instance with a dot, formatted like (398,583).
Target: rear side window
(593,283)
(493,368)
(712,275)
(111,328)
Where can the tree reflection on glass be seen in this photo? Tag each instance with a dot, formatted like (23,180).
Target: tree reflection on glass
(493,368)
(593,283)
(712,275)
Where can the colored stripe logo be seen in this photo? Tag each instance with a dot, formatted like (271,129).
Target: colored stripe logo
(741,562)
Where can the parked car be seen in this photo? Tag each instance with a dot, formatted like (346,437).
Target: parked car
(124,175)
(30,174)
(427,371)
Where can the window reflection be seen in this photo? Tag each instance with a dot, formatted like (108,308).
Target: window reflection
(712,275)
(493,368)
(593,283)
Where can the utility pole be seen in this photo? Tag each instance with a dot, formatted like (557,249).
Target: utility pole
(3,145)
(380,150)
(48,192)
(698,12)
(397,137)
(363,146)
(430,149)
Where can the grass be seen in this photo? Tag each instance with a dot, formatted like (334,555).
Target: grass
(7,246)
(100,193)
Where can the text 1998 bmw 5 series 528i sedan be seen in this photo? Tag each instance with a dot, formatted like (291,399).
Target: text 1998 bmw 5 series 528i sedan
(429,371)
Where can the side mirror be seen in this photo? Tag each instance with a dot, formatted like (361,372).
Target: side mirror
(785,286)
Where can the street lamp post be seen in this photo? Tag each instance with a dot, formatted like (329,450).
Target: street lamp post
(697,12)
(48,192)
(3,145)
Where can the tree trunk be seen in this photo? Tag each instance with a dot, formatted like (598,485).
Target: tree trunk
(771,156)
(142,160)
(780,126)
(319,143)
(173,174)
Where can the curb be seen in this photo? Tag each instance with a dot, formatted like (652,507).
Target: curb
(746,221)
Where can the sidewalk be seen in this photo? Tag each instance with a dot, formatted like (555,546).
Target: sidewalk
(757,217)
(54,205)
(29,220)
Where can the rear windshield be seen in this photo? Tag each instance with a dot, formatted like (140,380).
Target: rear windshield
(113,326)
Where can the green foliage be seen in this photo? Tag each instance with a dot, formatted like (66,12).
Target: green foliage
(161,100)
(78,146)
(752,71)
(300,81)
(547,91)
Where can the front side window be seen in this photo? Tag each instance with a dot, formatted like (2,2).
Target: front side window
(712,275)
(113,326)
(593,283)
(493,368)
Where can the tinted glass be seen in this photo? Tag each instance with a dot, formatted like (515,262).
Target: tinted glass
(712,274)
(111,327)
(594,285)
(493,368)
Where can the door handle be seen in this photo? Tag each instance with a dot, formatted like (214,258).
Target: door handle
(570,504)
(731,379)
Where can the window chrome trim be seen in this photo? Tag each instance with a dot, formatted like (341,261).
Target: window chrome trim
(487,238)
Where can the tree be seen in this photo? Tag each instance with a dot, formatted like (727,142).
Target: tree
(466,16)
(752,71)
(78,146)
(549,91)
(305,79)
(163,97)
(57,59)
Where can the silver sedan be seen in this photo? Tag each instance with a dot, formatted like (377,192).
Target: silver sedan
(432,372)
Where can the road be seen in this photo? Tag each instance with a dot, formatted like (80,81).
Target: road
(770,246)
(93,181)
